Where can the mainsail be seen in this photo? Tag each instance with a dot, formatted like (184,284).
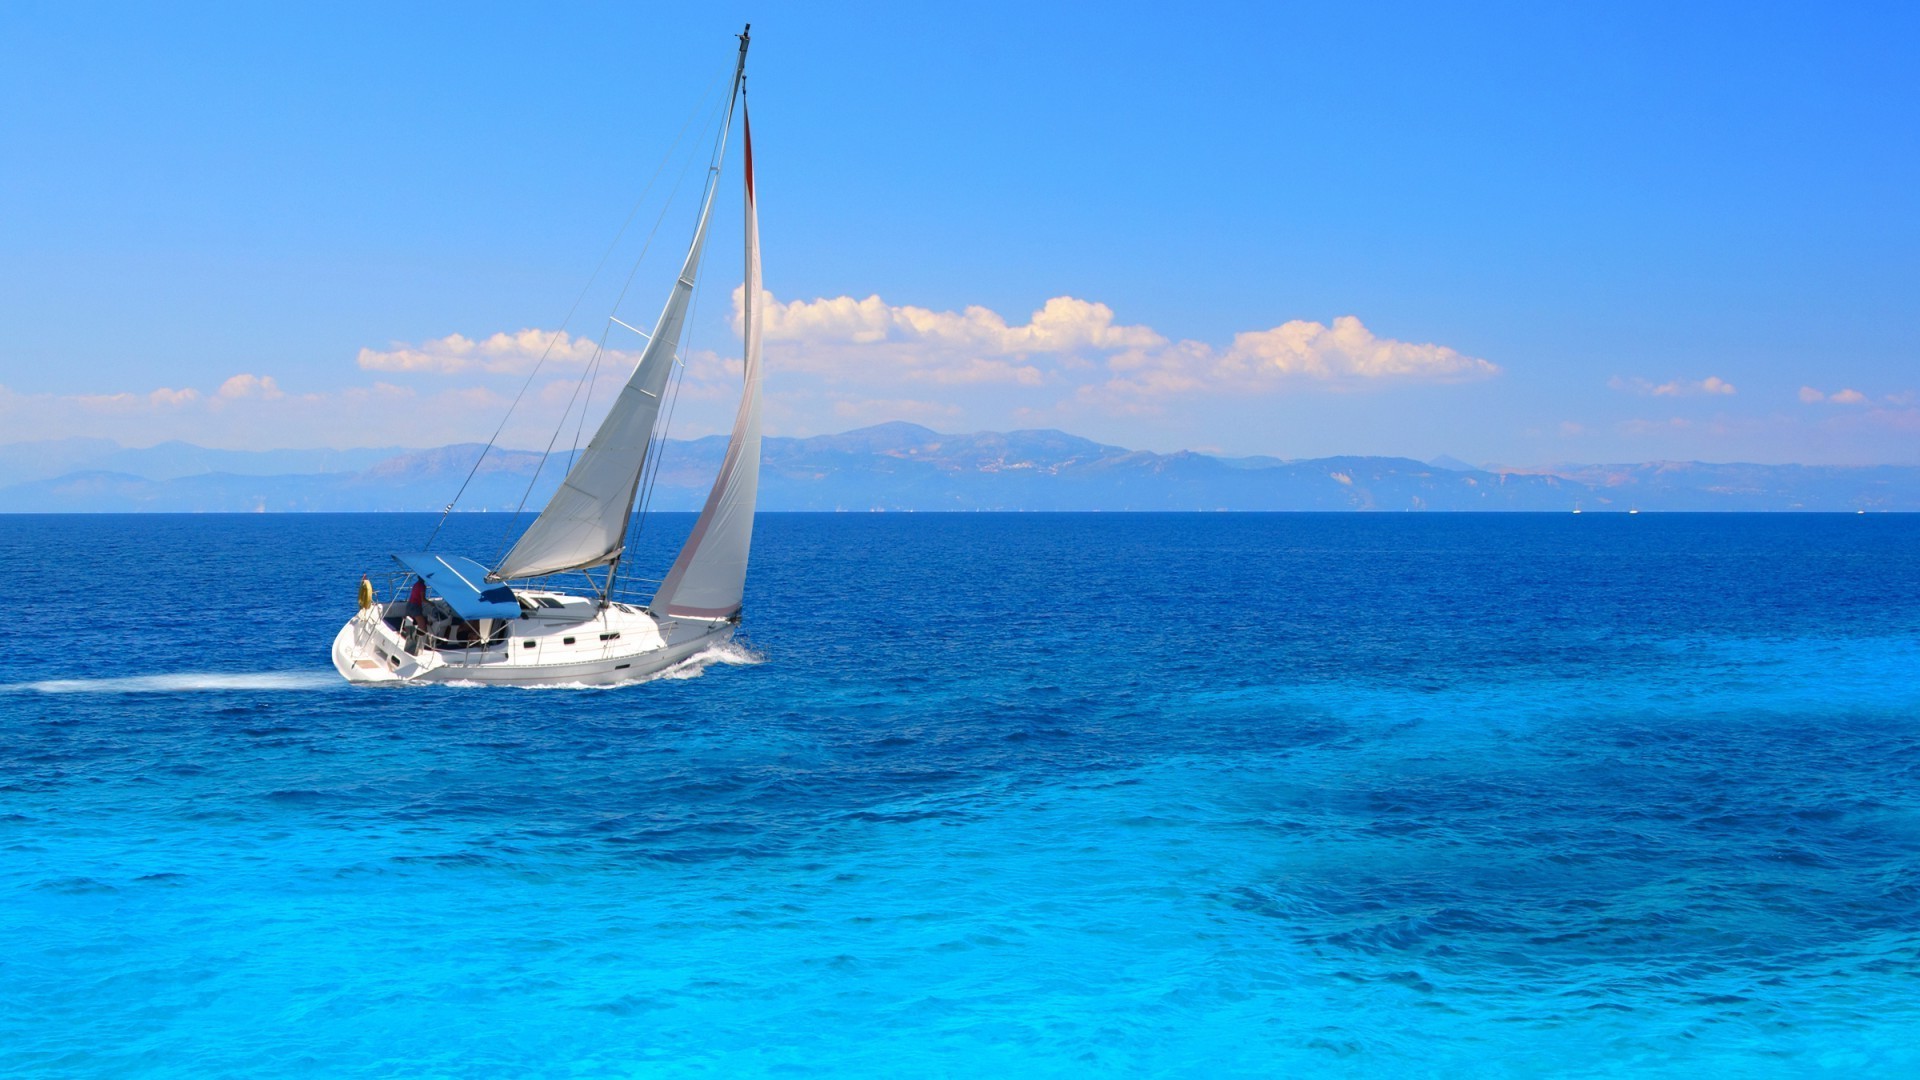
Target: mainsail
(710,575)
(585,523)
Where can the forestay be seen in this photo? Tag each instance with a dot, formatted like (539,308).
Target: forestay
(710,574)
(585,523)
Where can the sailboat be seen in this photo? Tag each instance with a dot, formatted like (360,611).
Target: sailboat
(466,622)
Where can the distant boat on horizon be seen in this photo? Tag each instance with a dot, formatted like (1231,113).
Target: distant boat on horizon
(464,622)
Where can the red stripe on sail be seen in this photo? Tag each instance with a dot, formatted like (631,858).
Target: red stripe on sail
(746,127)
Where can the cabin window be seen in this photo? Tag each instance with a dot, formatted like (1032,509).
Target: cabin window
(621,667)
(610,635)
(566,641)
(526,644)
(548,601)
(624,608)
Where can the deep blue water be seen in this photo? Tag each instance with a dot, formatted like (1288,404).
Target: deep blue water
(1224,794)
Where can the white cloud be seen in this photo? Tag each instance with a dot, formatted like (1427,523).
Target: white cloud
(250,386)
(832,362)
(502,353)
(1064,324)
(165,397)
(253,411)
(1077,345)
(1346,349)
(1712,385)
(1843,396)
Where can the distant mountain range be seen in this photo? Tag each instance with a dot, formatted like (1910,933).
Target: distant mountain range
(900,466)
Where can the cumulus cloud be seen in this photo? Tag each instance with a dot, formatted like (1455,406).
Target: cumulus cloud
(253,411)
(1070,342)
(165,397)
(502,353)
(833,361)
(1064,324)
(1844,396)
(250,386)
(1346,349)
(1712,385)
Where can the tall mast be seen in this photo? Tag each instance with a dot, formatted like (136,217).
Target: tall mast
(585,523)
(708,578)
(713,182)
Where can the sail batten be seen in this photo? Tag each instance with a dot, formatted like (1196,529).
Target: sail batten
(708,579)
(584,525)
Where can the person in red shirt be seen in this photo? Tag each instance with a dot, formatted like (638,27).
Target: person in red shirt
(417,602)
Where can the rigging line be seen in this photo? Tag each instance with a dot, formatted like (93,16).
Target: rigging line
(713,166)
(571,311)
(650,465)
(562,426)
(673,400)
(724,110)
(589,377)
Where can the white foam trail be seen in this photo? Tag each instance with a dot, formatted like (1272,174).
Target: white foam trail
(731,653)
(184,682)
(727,652)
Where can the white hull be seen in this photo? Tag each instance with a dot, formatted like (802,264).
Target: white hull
(479,629)
(567,642)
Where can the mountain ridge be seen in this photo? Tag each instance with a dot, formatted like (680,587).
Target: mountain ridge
(905,466)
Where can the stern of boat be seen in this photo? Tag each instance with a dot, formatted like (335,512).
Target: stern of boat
(366,651)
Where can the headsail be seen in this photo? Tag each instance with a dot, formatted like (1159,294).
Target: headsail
(710,575)
(585,523)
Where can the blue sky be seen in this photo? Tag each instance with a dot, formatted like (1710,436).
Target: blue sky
(1511,233)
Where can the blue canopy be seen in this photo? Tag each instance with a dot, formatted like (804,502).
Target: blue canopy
(463,584)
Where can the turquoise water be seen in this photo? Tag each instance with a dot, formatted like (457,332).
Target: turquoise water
(1072,794)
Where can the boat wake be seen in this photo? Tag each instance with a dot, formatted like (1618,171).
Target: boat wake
(182,683)
(730,653)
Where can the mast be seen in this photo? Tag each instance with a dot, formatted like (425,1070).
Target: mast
(708,579)
(585,524)
(713,178)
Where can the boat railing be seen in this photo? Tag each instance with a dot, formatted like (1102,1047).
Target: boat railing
(632,592)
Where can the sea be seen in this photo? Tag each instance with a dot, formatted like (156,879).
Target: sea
(984,794)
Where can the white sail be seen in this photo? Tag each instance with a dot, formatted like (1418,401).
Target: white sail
(585,523)
(710,575)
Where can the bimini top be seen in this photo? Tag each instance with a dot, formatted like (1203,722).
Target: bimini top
(463,584)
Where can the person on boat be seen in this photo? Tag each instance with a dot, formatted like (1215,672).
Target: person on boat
(417,602)
(366,593)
